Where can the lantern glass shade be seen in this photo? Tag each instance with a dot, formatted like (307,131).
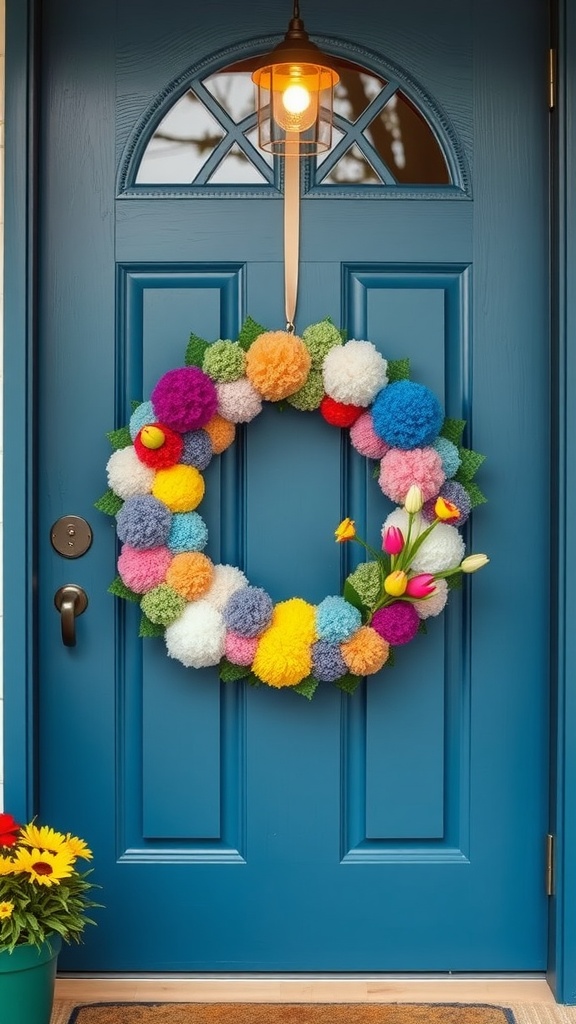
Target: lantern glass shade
(294,103)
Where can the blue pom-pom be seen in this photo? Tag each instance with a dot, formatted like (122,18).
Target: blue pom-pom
(407,415)
(143,522)
(337,620)
(248,611)
(449,454)
(188,532)
(197,449)
(141,416)
(327,661)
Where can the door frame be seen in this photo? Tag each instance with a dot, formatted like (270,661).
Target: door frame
(20,675)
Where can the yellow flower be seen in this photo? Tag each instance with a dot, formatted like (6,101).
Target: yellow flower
(414,499)
(43,837)
(43,867)
(6,908)
(6,866)
(346,531)
(395,583)
(446,510)
(77,847)
(474,562)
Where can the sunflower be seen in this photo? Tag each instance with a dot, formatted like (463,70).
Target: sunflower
(77,847)
(6,866)
(42,866)
(6,908)
(43,837)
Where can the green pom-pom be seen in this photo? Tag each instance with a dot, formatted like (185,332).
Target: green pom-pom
(119,438)
(319,339)
(148,628)
(163,605)
(230,673)
(249,331)
(224,361)
(307,687)
(398,369)
(309,396)
(109,503)
(349,683)
(452,430)
(119,589)
(195,351)
(366,582)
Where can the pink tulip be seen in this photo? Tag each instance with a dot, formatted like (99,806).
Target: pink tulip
(393,541)
(421,586)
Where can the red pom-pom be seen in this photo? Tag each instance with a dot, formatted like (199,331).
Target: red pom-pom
(168,454)
(338,414)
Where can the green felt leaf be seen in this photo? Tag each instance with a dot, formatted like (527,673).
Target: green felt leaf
(230,673)
(349,683)
(148,628)
(135,403)
(391,660)
(119,589)
(452,430)
(119,438)
(470,463)
(475,494)
(422,627)
(249,331)
(109,503)
(351,595)
(398,369)
(307,687)
(253,680)
(195,350)
(343,333)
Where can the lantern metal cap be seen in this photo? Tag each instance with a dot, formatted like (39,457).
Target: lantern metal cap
(296,48)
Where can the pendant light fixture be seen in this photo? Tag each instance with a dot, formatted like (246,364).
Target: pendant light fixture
(295,84)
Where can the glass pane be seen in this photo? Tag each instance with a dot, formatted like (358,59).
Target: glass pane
(252,136)
(181,144)
(355,91)
(336,136)
(352,169)
(235,92)
(236,169)
(407,144)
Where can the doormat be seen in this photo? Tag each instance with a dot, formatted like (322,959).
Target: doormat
(291,1013)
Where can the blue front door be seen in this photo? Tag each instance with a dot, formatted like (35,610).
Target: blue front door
(237,829)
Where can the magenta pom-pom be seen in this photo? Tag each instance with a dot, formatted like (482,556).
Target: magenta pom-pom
(397,623)
(185,399)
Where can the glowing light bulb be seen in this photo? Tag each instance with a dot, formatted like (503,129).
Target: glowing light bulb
(296,99)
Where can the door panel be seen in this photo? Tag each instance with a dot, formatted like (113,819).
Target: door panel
(401,828)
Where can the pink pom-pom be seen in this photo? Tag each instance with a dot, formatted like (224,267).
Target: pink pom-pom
(400,469)
(142,570)
(185,399)
(240,649)
(365,440)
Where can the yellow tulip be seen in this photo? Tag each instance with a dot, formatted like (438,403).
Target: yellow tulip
(446,510)
(345,531)
(474,562)
(414,500)
(395,583)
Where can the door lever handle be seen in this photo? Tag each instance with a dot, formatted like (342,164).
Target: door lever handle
(70,601)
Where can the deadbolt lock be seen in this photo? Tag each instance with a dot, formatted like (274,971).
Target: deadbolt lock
(71,536)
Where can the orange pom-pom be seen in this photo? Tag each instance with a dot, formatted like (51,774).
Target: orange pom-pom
(365,652)
(221,433)
(190,574)
(277,364)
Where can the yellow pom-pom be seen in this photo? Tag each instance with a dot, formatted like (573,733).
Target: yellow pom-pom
(297,617)
(277,364)
(221,433)
(181,488)
(152,437)
(280,660)
(365,652)
(190,574)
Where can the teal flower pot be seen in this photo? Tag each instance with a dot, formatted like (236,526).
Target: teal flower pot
(27,982)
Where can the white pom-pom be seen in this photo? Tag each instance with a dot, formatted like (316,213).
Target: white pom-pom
(354,373)
(434,604)
(197,637)
(238,401)
(227,579)
(443,548)
(127,476)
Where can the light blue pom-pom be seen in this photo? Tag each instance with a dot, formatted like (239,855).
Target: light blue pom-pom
(449,454)
(141,416)
(188,532)
(337,620)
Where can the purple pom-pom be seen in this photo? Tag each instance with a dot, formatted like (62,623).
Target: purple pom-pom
(185,399)
(248,611)
(197,449)
(144,522)
(327,661)
(397,623)
(458,495)
(407,415)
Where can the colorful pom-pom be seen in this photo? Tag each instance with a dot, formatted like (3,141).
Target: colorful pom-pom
(407,415)
(310,395)
(458,495)
(142,415)
(238,401)
(433,605)
(226,581)
(162,455)
(319,339)
(188,532)
(163,605)
(142,570)
(449,454)
(337,414)
(364,438)
(366,652)
(354,373)
(197,638)
(277,364)
(240,649)
(127,476)
(185,398)
(143,522)
(367,581)
(280,660)
(336,619)
(190,574)
(224,361)
(197,450)
(297,617)
(397,623)
(181,488)
(248,611)
(221,433)
(399,469)
(327,661)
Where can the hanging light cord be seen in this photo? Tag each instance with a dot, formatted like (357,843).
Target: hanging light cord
(291,232)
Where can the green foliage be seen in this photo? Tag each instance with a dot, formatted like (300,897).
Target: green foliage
(469,465)
(119,589)
(452,430)
(109,503)
(195,350)
(349,683)
(41,910)
(230,673)
(351,595)
(398,369)
(119,438)
(149,628)
(249,331)
(135,404)
(307,687)
(475,494)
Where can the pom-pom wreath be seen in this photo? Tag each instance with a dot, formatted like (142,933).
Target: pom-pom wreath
(224,361)
(366,652)
(336,620)
(407,415)
(209,611)
(143,570)
(142,415)
(188,532)
(319,339)
(197,638)
(248,611)
(327,661)
(143,522)
(221,433)
(190,574)
(337,414)
(397,623)
(181,488)
(126,475)
(197,450)
(354,373)
(163,605)
(238,401)
(400,469)
(277,364)
(166,454)
(185,399)
(365,439)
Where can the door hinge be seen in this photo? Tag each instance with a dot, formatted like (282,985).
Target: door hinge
(551,79)
(550,864)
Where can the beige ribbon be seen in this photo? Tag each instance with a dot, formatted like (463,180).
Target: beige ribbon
(291,229)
